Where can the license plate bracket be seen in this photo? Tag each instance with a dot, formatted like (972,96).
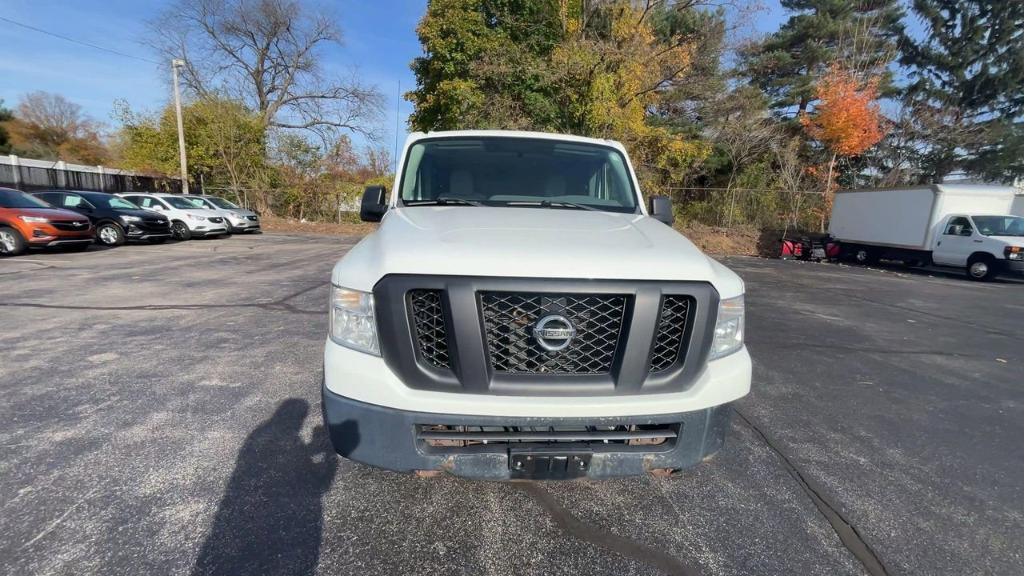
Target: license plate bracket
(547,464)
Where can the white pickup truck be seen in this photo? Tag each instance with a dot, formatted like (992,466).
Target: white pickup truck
(967,226)
(520,313)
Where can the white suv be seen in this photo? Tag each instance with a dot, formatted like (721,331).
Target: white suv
(238,220)
(521,313)
(187,219)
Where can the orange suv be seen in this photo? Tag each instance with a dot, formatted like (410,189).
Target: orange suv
(26,221)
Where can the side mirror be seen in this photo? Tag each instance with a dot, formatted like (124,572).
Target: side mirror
(374,204)
(156,207)
(661,209)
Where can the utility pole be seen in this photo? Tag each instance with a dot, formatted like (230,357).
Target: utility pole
(175,64)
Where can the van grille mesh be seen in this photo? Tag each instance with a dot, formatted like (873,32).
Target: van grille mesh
(668,343)
(510,318)
(429,325)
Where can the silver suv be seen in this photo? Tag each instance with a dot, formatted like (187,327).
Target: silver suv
(238,219)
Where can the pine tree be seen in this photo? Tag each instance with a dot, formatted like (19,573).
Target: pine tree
(966,90)
(860,34)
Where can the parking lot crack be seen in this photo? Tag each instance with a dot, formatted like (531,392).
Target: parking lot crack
(847,532)
(631,549)
(60,519)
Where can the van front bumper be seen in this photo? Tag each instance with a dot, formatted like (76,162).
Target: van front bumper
(389,438)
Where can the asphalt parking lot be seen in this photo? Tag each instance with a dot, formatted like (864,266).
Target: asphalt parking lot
(160,415)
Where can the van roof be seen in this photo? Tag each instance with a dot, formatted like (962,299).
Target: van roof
(413,137)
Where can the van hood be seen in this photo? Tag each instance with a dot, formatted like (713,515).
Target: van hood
(527,243)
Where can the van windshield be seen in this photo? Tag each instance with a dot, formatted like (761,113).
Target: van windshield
(999,225)
(517,172)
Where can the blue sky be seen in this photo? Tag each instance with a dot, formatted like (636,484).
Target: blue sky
(380,41)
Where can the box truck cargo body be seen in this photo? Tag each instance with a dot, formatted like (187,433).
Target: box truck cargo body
(970,226)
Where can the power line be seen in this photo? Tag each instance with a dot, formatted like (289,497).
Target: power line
(74,41)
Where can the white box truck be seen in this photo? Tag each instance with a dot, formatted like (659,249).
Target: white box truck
(968,226)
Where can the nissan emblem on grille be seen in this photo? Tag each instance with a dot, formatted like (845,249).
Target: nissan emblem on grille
(554,333)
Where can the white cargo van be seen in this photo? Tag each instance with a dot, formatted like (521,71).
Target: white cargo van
(969,226)
(521,313)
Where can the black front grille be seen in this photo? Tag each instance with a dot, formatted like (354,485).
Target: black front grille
(70,227)
(430,328)
(156,223)
(253,218)
(216,220)
(509,322)
(668,343)
(439,435)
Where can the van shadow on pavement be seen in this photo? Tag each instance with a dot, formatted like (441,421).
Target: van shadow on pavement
(271,516)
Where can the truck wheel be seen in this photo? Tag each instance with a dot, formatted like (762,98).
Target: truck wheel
(981,268)
(110,234)
(11,242)
(865,256)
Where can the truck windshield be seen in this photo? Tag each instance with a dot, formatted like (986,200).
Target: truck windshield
(517,172)
(999,225)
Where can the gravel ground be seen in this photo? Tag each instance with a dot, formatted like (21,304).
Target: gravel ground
(161,416)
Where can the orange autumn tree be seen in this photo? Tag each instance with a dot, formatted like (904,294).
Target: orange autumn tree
(847,120)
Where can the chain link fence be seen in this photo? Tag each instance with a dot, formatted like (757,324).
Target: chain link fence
(761,208)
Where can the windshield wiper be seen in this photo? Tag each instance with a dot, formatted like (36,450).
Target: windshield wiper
(553,204)
(442,201)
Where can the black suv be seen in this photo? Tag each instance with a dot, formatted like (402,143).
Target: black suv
(115,219)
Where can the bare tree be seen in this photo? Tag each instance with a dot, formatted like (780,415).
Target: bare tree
(267,53)
(51,127)
(791,174)
(743,130)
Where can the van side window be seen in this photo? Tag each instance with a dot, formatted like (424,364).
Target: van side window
(72,201)
(959,226)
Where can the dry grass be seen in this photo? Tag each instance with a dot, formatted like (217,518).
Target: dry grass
(722,241)
(291,226)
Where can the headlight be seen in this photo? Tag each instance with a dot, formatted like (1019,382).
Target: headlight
(728,328)
(238,216)
(352,321)
(1014,253)
(194,217)
(128,219)
(34,219)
